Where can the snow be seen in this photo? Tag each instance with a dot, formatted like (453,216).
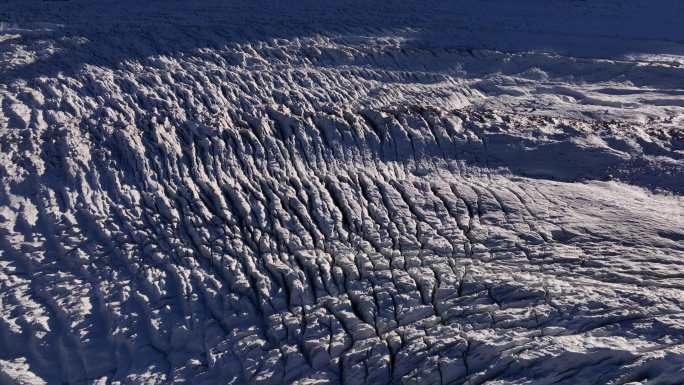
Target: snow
(319,192)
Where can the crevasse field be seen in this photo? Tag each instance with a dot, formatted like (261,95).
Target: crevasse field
(341,192)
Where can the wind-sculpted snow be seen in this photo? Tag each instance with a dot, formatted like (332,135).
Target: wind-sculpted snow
(320,193)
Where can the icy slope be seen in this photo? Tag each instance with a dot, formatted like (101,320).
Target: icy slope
(486,192)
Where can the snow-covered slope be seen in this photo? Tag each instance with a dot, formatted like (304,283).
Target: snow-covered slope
(318,192)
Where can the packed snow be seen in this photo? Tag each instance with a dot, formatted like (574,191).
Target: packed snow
(341,192)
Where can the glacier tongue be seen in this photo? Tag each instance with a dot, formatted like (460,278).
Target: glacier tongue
(341,192)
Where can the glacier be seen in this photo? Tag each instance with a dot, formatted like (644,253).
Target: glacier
(341,192)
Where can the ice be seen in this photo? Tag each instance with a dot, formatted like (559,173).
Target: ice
(319,192)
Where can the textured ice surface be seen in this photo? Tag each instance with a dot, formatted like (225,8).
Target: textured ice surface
(318,192)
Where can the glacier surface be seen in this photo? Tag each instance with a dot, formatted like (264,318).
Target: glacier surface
(341,192)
